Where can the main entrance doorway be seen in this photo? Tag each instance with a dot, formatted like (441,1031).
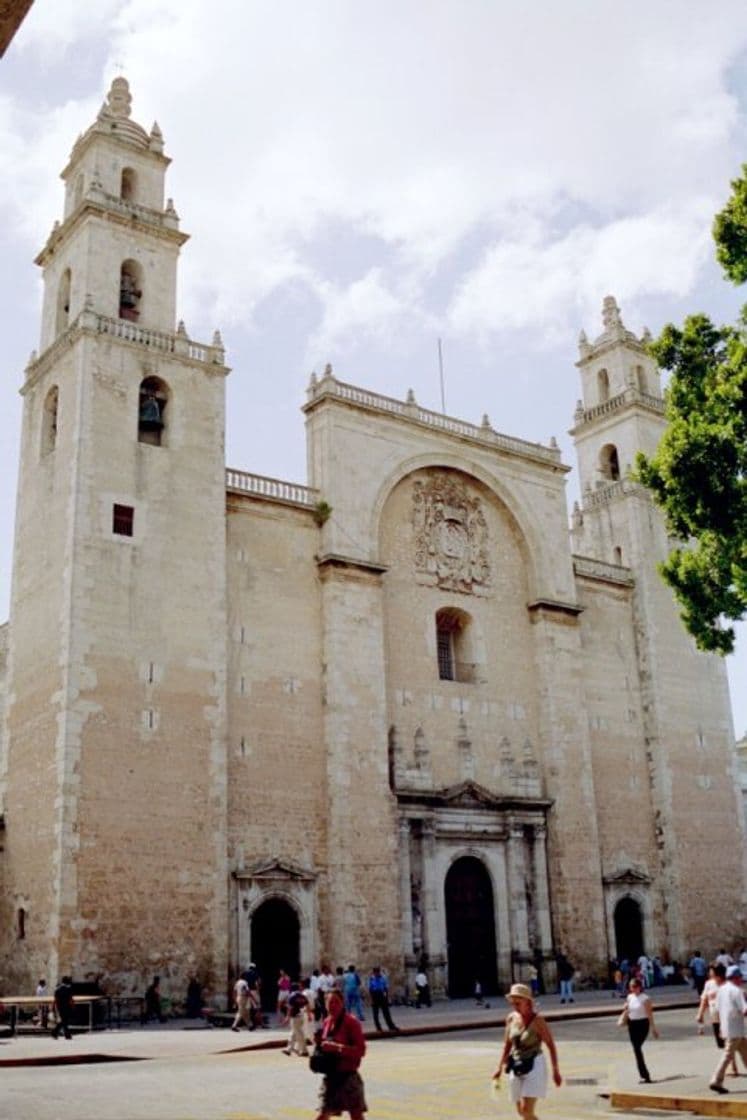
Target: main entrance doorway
(628,930)
(470,928)
(275,945)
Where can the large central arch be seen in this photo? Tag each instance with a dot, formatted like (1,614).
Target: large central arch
(470,928)
(275,941)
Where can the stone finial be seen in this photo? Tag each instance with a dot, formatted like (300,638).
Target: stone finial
(646,336)
(611,317)
(181,330)
(553,443)
(155,140)
(328,370)
(313,380)
(217,340)
(578,415)
(119,101)
(410,398)
(583,344)
(486,425)
(577,518)
(170,208)
(55,226)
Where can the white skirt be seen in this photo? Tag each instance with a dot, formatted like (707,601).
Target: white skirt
(534,1084)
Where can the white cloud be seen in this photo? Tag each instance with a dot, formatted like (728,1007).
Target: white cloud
(539,130)
(538,281)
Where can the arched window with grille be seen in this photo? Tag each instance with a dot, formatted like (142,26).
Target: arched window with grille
(454,645)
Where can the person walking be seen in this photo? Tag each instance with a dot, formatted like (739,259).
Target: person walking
(566,972)
(698,971)
(63,1005)
(423,989)
(242,999)
(708,1002)
(731,1012)
(378,988)
(297,1014)
(522,1057)
(43,1011)
(341,1036)
(351,990)
(638,1016)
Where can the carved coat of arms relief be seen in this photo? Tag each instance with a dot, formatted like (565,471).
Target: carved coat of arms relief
(451,535)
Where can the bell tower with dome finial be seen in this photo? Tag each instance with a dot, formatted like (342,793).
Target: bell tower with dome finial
(618,533)
(116,713)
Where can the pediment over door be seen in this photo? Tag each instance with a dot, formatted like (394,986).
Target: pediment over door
(631,876)
(276,870)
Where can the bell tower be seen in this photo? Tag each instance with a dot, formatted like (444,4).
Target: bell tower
(686,737)
(114,771)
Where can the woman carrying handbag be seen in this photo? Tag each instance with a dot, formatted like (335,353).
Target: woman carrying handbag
(522,1056)
(638,1016)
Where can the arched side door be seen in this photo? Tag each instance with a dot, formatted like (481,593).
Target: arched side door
(470,928)
(275,941)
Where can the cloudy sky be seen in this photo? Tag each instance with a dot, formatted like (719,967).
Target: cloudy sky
(361,178)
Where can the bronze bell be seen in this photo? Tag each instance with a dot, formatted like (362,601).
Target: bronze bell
(150,413)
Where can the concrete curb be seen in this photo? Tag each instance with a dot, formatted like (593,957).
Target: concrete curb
(493,1023)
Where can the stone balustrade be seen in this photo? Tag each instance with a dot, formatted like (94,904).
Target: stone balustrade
(165,219)
(410,410)
(628,396)
(611,491)
(291,493)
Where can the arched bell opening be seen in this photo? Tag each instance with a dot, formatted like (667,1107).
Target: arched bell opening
(153,400)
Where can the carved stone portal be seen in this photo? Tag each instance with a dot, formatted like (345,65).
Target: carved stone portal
(451,534)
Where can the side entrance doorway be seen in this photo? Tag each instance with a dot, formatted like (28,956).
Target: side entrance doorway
(628,929)
(275,942)
(470,928)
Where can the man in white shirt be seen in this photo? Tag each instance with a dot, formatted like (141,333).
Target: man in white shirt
(731,1012)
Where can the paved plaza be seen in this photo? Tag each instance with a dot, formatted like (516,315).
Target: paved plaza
(183,1075)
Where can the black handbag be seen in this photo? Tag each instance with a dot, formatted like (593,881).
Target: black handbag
(520,1067)
(322,1061)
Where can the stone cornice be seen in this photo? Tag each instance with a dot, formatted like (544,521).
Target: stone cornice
(330,562)
(470,797)
(153,222)
(90,324)
(563,612)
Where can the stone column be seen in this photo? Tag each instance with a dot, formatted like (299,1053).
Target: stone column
(541,891)
(405,889)
(434,918)
(502,909)
(517,889)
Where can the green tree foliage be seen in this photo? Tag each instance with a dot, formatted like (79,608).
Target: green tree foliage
(698,475)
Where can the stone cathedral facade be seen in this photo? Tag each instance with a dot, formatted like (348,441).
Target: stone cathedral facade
(395,715)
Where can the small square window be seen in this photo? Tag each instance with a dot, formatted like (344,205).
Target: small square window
(123,520)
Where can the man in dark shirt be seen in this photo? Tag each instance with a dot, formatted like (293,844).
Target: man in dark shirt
(378,989)
(63,1003)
